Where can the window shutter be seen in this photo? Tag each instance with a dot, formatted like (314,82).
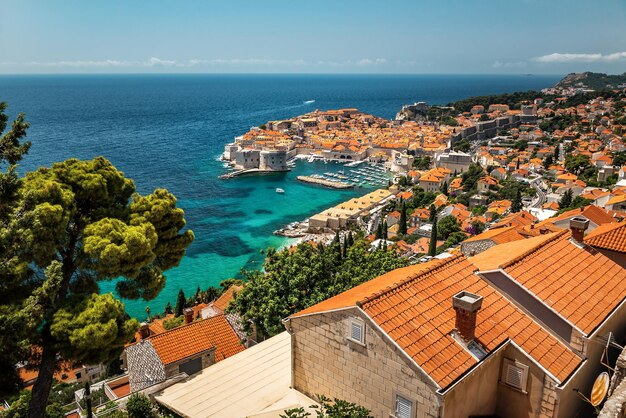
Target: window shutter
(403,407)
(515,374)
(356,331)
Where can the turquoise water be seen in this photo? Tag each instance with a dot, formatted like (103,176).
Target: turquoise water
(169,130)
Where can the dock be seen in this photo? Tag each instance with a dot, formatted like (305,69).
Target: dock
(327,183)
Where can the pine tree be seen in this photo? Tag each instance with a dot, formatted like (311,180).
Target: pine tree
(402,228)
(432,245)
(516,205)
(180,303)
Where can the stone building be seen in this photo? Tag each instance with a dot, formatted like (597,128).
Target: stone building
(454,161)
(185,349)
(462,337)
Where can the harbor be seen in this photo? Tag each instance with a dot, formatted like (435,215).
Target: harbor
(334,184)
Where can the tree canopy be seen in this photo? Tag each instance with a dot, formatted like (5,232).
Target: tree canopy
(65,228)
(296,279)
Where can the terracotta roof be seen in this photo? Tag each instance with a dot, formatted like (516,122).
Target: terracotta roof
(499,255)
(418,315)
(516,219)
(592,212)
(610,236)
(352,296)
(413,306)
(566,277)
(229,294)
(199,336)
(498,235)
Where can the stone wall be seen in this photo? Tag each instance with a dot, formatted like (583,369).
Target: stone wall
(615,405)
(326,363)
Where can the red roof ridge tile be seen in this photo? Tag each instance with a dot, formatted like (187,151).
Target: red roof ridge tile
(515,260)
(444,263)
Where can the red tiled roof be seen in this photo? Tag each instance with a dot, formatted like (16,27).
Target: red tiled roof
(413,306)
(498,235)
(199,336)
(582,284)
(592,212)
(610,236)
(229,294)
(418,315)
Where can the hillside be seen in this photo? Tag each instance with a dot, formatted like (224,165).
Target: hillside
(595,81)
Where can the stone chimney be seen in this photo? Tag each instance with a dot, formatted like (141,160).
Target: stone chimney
(144,331)
(578,225)
(466,305)
(188,315)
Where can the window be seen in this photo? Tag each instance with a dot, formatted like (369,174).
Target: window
(515,374)
(357,331)
(78,375)
(404,407)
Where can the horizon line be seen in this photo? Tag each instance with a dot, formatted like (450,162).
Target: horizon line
(280,73)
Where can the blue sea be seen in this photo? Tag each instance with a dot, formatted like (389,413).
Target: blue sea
(169,131)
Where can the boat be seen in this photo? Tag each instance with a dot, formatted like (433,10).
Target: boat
(279,190)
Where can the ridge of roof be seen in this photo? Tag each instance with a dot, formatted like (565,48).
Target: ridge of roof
(514,260)
(445,263)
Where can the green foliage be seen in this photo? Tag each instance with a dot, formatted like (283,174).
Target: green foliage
(432,244)
(337,408)
(422,163)
(619,158)
(484,117)
(181,303)
(174,322)
(421,199)
(446,226)
(513,100)
(295,280)
(566,199)
(453,239)
(402,228)
(448,120)
(92,330)
(139,406)
(516,204)
(474,173)
(581,166)
(463,145)
(64,228)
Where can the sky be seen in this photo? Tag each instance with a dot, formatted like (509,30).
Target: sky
(319,36)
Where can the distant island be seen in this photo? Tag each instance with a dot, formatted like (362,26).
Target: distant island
(593,81)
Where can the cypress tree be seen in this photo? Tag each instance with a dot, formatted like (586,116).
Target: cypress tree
(168,309)
(385,234)
(345,248)
(444,188)
(350,239)
(379,231)
(180,303)
(432,245)
(402,228)
(433,213)
(566,200)
(516,205)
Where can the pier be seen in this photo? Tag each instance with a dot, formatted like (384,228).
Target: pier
(323,182)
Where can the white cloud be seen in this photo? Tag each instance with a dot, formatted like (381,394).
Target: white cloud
(597,57)
(158,62)
(517,64)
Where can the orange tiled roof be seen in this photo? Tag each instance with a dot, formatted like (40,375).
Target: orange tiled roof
(565,277)
(419,317)
(229,294)
(594,213)
(610,236)
(187,340)
(498,235)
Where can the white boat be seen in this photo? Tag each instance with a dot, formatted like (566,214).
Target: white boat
(279,190)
